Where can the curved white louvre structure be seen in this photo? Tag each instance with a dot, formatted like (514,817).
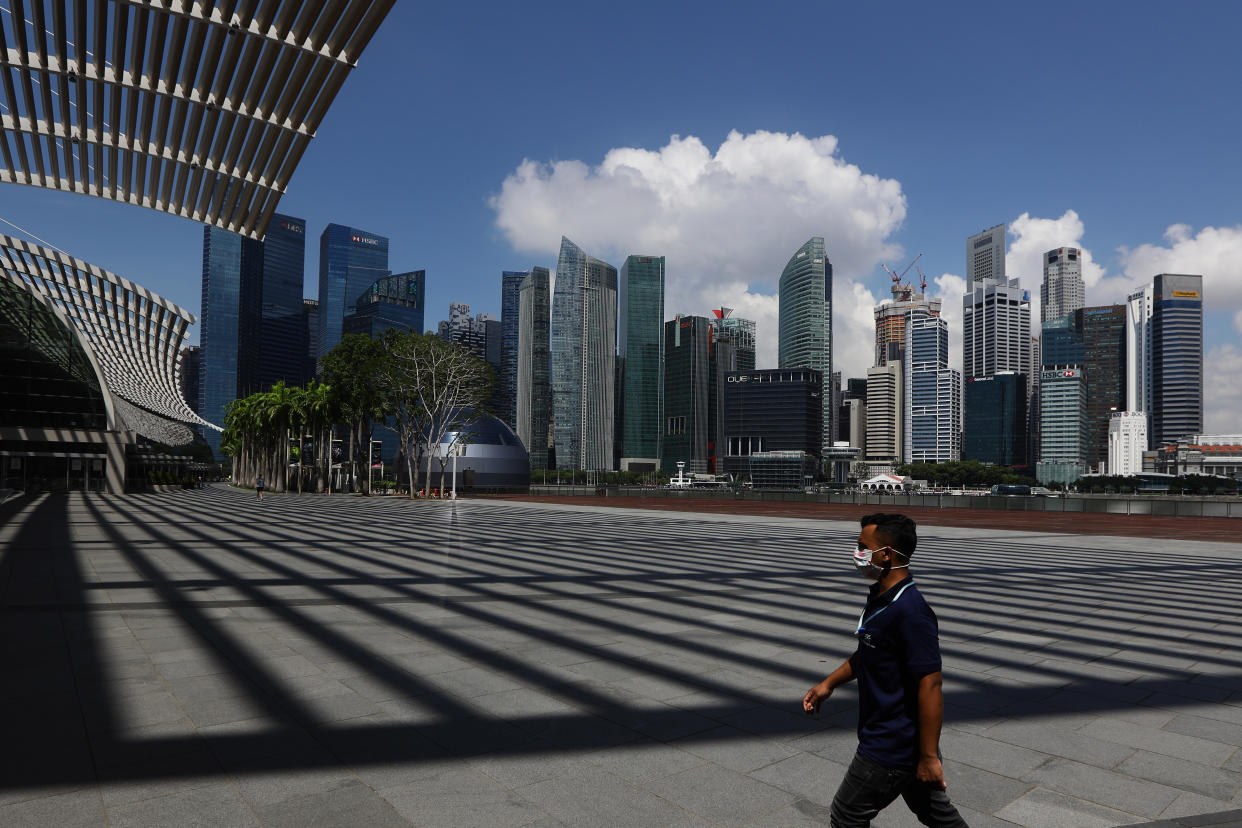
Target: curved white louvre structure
(135,335)
(198,109)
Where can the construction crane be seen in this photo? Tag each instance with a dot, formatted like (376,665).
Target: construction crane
(897,277)
(923,280)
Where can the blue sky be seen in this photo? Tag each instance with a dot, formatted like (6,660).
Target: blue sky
(1105,124)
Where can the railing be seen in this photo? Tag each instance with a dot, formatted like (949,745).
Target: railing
(1173,506)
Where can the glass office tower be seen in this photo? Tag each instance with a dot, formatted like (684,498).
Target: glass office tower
(805,317)
(506,374)
(640,345)
(933,398)
(1176,358)
(280,330)
(583,353)
(534,391)
(995,419)
(394,301)
(350,260)
(252,333)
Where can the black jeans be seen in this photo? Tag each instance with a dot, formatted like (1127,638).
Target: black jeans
(869,788)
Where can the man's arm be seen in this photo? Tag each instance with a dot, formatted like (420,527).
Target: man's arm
(931,716)
(816,695)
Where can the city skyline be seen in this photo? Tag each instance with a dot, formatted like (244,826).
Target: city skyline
(1138,197)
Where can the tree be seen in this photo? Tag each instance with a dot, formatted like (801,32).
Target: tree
(434,387)
(353,369)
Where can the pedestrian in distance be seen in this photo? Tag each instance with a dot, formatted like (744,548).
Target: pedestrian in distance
(900,704)
(258,486)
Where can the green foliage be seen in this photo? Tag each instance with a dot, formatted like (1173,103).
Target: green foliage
(964,473)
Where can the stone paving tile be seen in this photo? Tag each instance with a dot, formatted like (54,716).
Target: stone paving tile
(1202,727)
(735,749)
(989,754)
(1193,804)
(608,801)
(1179,773)
(76,809)
(1040,808)
(1103,787)
(350,804)
(644,762)
(811,777)
(217,806)
(1055,741)
(721,796)
(1165,741)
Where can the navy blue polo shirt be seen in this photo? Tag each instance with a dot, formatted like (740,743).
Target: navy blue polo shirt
(898,644)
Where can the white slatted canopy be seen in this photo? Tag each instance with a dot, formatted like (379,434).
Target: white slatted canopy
(134,334)
(198,109)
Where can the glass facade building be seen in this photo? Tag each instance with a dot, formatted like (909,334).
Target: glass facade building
(933,396)
(583,356)
(1176,358)
(510,324)
(739,331)
(1103,361)
(350,260)
(280,336)
(220,335)
(1062,425)
(695,365)
(995,419)
(534,388)
(771,410)
(252,323)
(640,346)
(805,317)
(394,301)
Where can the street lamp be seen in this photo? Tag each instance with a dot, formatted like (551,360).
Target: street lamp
(371,462)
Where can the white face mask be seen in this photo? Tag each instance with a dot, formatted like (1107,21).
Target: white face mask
(864,566)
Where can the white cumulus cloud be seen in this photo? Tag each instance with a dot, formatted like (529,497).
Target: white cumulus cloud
(1215,253)
(727,222)
(1032,238)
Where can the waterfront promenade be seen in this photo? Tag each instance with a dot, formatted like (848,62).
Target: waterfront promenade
(200,658)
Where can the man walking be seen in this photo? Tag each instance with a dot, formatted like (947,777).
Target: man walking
(900,706)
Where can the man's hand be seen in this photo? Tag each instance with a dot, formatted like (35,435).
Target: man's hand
(931,772)
(815,697)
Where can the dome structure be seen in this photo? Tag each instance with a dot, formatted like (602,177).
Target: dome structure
(489,455)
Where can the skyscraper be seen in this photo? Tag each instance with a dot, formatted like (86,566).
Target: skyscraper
(1103,361)
(933,394)
(805,318)
(583,351)
(1062,291)
(885,406)
(251,330)
(995,419)
(640,346)
(985,256)
(394,301)
(996,328)
(506,376)
(310,338)
(1164,356)
(741,332)
(1176,358)
(350,260)
(1062,425)
(280,335)
(891,317)
(1062,402)
(695,365)
(533,402)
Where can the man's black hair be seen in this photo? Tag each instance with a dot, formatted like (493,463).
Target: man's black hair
(895,530)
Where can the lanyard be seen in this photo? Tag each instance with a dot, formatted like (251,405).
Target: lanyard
(862,624)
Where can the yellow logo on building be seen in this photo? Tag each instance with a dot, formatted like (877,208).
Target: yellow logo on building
(1186,294)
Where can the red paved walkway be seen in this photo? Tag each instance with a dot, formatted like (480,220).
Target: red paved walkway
(1077,523)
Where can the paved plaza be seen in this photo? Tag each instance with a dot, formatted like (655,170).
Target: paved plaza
(201,658)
